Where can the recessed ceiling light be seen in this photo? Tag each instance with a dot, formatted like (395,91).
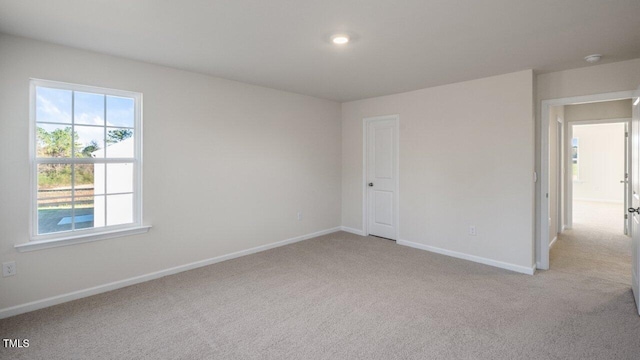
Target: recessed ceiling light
(593,58)
(340,39)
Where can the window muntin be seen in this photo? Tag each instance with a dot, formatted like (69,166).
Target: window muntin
(86,159)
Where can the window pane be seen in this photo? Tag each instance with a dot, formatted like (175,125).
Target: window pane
(54,180)
(98,179)
(120,143)
(53,105)
(89,141)
(54,215)
(74,126)
(119,209)
(85,179)
(119,178)
(83,212)
(88,108)
(53,140)
(574,159)
(99,211)
(120,111)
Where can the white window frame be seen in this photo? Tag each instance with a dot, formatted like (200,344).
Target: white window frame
(89,234)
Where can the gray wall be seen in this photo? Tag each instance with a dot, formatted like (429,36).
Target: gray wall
(466,158)
(226,168)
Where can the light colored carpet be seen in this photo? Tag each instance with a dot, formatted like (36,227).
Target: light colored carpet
(596,246)
(599,216)
(341,296)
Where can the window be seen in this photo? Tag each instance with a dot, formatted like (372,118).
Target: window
(86,160)
(574,159)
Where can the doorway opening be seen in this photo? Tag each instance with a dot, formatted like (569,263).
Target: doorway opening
(589,189)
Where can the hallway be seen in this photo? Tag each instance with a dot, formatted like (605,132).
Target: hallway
(596,246)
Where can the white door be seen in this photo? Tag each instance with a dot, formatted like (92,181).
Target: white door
(625,180)
(635,201)
(382,176)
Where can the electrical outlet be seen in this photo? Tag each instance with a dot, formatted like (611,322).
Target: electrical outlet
(472,230)
(299,215)
(8,268)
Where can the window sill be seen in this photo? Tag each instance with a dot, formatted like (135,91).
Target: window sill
(78,239)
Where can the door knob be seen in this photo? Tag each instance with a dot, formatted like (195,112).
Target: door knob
(370,184)
(632,210)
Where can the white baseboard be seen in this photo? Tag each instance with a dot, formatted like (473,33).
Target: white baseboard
(553,242)
(59,299)
(352,230)
(478,259)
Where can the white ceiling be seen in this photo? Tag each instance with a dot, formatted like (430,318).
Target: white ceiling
(399,45)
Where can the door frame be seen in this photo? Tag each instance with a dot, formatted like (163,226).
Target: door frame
(542,240)
(569,183)
(560,178)
(560,175)
(365,198)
